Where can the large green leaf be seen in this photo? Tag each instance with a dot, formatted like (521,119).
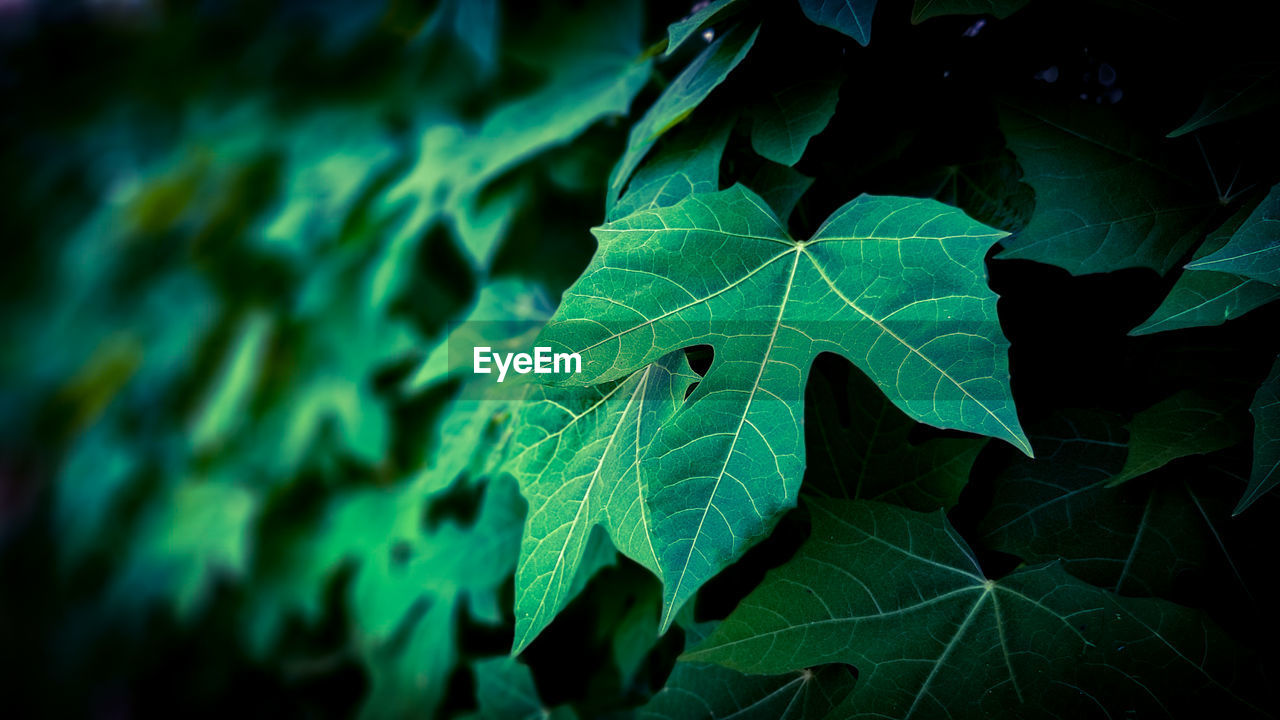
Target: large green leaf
(785,119)
(1105,197)
(1254,250)
(896,285)
(1204,297)
(899,595)
(1188,423)
(925,9)
(1266,439)
(576,453)
(685,93)
(851,17)
(870,456)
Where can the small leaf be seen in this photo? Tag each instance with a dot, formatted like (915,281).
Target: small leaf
(780,186)
(681,30)
(685,93)
(1105,198)
(1204,298)
(851,17)
(784,120)
(1254,250)
(1185,424)
(1242,91)
(1266,440)
(687,162)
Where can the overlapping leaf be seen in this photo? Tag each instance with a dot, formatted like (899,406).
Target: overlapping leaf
(1253,252)
(686,92)
(1204,297)
(1076,161)
(869,456)
(1188,423)
(576,453)
(899,595)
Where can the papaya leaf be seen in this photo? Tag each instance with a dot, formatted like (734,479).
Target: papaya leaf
(897,285)
(899,596)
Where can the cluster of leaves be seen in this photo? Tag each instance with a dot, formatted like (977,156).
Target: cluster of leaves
(830,265)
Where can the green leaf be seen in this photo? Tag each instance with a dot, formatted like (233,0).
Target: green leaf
(990,191)
(681,30)
(506,315)
(869,456)
(576,454)
(1105,197)
(685,93)
(225,406)
(851,17)
(505,691)
(687,162)
(591,61)
(1184,424)
(1135,539)
(1266,440)
(1204,298)
(411,582)
(699,690)
(1244,90)
(1254,250)
(897,285)
(899,596)
(785,120)
(925,9)
(189,537)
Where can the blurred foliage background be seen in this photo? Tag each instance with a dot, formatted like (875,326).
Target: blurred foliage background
(234,231)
